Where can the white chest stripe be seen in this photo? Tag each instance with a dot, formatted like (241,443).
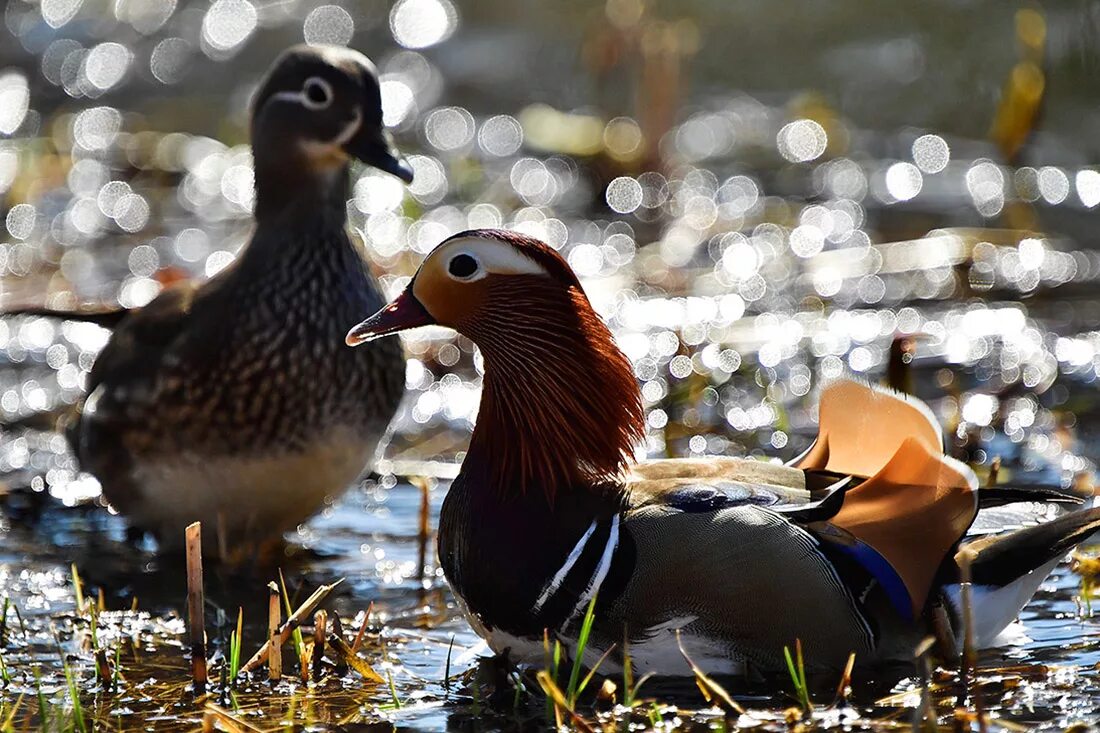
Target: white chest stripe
(554,583)
(594,582)
(601,571)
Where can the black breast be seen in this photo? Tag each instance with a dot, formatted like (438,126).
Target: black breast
(499,553)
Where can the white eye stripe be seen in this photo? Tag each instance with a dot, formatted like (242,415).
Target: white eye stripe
(296,97)
(303,97)
(493,256)
(349,131)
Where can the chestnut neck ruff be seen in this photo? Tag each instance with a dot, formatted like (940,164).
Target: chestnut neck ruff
(560,407)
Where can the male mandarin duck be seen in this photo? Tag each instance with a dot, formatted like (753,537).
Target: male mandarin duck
(551,510)
(226,402)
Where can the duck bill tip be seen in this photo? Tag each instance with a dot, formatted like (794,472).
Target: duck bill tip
(404,313)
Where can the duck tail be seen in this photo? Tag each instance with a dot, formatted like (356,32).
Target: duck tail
(105,317)
(1007,569)
(1000,495)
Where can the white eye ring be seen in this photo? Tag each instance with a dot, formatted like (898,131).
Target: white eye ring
(316,93)
(463,275)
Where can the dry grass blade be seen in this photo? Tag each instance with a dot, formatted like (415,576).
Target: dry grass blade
(362,629)
(230,721)
(709,688)
(292,623)
(546,682)
(845,681)
(353,660)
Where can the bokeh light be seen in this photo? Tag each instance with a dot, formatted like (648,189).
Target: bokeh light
(422,23)
(14,101)
(802,141)
(329,24)
(931,153)
(227,24)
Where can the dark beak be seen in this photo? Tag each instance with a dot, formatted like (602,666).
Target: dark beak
(375,147)
(403,313)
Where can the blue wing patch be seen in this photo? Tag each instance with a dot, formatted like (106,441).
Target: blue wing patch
(884,573)
(719,495)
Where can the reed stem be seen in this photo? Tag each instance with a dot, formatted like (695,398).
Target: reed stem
(195,605)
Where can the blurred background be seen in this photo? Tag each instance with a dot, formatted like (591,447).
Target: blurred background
(758,195)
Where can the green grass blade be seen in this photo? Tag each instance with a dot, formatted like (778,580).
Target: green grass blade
(235,648)
(790,667)
(393,690)
(299,640)
(578,657)
(806,703)
(43,705)
(78,590)
(592,672)
(74,693)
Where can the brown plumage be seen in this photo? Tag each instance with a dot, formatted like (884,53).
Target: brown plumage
(223,402)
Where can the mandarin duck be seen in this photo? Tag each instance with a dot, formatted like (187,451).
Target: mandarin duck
(551,510)
(225,402)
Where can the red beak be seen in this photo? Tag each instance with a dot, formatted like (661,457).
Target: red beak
(403,313)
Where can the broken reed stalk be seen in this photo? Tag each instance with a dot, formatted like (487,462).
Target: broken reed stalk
(293,622)
(425,530)
(841,697)
(195,606)
(924,719)
(320,631)
(969,670)
(274,616)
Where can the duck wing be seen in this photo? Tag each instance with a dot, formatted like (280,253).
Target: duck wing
(717,482)
(127,385)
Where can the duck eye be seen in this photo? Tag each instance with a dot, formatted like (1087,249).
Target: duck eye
(317,93)
(462,267)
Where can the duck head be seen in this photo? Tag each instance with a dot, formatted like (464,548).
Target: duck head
(319,107)
(560,406)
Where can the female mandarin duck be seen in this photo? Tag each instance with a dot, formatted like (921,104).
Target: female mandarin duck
(550,508)
(224,402)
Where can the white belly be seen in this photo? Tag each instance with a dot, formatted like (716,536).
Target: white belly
(245,498)
(658,654)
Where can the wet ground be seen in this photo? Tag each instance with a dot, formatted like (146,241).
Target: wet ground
(751,226)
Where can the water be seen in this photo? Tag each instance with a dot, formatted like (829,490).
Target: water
(756,199)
